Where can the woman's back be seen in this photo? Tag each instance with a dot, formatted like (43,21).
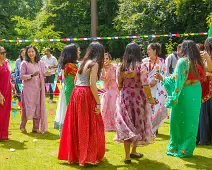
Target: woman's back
(137,80)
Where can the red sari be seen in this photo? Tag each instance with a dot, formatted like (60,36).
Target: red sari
(6,91)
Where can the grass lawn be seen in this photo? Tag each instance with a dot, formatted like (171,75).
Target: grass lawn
(43,153)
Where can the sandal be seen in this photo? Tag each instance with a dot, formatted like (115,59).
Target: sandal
(23,130)
(136,156)
(127,161)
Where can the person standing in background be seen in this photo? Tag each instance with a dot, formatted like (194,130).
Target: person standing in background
(5,95)
(17,72)
(33,74)
(171,60)
(51,64)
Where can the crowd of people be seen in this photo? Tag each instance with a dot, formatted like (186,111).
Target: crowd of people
(134,103)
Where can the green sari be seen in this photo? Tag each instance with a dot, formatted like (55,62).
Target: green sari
(185,102)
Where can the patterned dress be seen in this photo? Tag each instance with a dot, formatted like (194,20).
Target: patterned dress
(159,111)
(109,98)
(133,110)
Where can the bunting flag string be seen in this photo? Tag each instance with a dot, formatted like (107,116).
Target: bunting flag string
(105,38)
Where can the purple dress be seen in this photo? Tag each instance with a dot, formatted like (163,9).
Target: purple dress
(133,110)
(33,95)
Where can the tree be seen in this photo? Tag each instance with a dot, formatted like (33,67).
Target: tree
(162,17)
(38,29)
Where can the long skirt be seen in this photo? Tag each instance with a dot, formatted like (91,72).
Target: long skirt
(133,120)
(109,109)
(83,137)
(61,110)
(185,121)
(5,116)
(205,124)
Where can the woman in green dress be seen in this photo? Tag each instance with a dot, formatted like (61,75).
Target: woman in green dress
(184,98)
(69,68)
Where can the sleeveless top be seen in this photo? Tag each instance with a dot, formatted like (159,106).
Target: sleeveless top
(83,79)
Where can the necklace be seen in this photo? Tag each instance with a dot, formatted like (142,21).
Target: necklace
(151,68)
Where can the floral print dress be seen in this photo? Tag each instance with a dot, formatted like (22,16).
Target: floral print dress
(159,111)
(133,110)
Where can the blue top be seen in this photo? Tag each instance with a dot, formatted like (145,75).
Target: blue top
(17,71)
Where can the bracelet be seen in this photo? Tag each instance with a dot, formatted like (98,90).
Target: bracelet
(98,104)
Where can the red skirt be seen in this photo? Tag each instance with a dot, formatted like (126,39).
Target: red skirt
(83,137)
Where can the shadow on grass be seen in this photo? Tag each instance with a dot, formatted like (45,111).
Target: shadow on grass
(47,136)
(199,162)
(136,164)
(204,146)
(162,136)
(13,144)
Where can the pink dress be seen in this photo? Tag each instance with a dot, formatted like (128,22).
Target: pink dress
(6,91)
(109,98)
(134,113)
(33,94)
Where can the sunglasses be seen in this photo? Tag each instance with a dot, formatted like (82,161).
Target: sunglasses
(4,52)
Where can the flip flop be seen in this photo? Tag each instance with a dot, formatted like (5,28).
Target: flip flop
(136,156)
(127,161)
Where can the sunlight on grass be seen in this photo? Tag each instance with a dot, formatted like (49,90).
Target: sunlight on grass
(43,153)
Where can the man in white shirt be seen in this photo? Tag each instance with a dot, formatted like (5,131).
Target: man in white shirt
(51,66)
(171,60)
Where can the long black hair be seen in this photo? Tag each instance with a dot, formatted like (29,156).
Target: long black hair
(132,56)
(190,50)
(37,58)
(69,55)
(95,52)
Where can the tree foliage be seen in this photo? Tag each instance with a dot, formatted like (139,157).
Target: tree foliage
(48,19)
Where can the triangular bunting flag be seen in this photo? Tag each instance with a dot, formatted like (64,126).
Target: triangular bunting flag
(20,104)
(59,86)
(14,104)
(15,114)
(47,87)
(20,86)
(53,87)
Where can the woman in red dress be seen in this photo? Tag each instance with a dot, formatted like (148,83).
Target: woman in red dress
(83,137)
(5,95)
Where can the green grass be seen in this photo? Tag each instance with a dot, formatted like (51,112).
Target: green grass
(43,154)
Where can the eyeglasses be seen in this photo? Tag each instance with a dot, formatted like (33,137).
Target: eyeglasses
(4,52)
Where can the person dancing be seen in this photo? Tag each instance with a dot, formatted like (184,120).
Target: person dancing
(83,137)
(111,93)
(134,125)
(184,90)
